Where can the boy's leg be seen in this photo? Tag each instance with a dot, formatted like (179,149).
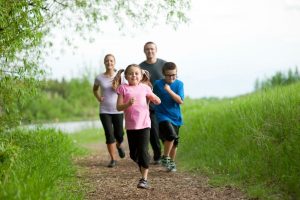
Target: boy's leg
(168,147)
(172,164)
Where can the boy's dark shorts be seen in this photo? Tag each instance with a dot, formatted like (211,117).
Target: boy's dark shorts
(169,132)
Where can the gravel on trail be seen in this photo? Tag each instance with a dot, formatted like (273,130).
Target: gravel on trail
(120,182)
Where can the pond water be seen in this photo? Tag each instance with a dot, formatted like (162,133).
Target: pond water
(69,127)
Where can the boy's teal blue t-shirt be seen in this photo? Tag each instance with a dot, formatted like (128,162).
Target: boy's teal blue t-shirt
(168,110)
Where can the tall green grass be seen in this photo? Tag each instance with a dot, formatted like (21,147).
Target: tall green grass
(88,136)
(252,141)
(38,165)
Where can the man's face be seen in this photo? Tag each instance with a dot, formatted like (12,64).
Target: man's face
(150,51)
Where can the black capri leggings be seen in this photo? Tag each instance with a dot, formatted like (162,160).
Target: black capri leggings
(138,141)
(113,127)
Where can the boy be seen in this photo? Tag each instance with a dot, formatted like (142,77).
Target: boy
(168,113)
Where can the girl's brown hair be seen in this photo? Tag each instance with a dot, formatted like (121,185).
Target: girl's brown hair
(117,79)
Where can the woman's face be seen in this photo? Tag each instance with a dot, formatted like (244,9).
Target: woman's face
(133,75)
(109,62)
(170,75)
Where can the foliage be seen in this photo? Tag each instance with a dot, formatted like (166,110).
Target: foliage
(251,141)
(279,78)
(25,31)
(62,100)
(37,165)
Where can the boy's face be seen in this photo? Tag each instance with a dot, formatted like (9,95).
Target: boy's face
(170,75)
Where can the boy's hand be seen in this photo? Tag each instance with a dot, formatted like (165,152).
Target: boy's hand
(167,87)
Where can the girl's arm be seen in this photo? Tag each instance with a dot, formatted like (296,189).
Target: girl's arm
(154,99)
(121,105)
(174,96)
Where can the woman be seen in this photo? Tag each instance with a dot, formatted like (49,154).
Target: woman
(111,119)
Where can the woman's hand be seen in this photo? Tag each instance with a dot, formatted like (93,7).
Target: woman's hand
(101,99)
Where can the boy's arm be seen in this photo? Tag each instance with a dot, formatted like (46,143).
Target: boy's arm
(174,96)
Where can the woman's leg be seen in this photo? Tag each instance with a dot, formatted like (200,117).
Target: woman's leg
(106,120)
(117,121)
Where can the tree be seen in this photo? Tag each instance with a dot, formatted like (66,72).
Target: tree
(25,25)
(279,78)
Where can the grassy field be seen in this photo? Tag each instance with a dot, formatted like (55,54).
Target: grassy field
(88,136)
(38,165)
(250,141)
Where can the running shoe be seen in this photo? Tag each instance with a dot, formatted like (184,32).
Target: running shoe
(143,184)
(121,152)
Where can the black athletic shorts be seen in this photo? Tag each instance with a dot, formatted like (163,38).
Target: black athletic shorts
(169,132)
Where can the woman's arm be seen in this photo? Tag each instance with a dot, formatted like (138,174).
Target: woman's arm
(97,93)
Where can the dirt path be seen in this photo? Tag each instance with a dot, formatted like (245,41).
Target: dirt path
(120,182)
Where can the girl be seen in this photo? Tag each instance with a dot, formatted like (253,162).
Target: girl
(168,113)
(133,100)
(111,118)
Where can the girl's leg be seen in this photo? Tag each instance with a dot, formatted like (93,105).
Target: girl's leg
(144,173)
(142,148)
(143,156)
(132,143)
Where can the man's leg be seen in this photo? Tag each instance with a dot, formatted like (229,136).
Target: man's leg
(154,138)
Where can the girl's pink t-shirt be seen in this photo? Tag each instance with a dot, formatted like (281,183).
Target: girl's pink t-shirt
(136,116)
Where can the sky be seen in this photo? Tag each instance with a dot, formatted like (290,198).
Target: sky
(224,48)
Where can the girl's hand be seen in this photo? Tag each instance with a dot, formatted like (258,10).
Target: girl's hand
(154,99)
(131,101)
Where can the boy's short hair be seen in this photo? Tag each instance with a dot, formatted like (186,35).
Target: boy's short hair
(168,66)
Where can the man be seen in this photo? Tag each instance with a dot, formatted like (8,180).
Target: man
(154,66)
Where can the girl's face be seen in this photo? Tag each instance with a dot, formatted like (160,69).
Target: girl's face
(109,62)
(133,75)
(170,75)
